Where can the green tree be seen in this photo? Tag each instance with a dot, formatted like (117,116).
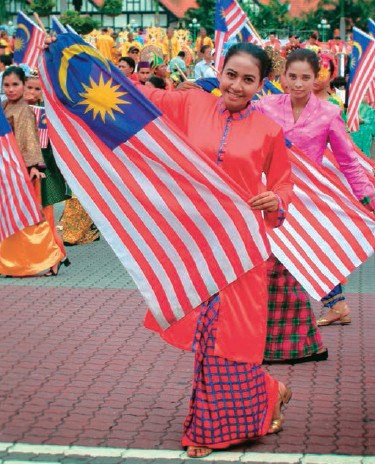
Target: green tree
(111,7)
(42,7)
(271,17)
(356,13)
(204,15)
(4,8)
(81,24)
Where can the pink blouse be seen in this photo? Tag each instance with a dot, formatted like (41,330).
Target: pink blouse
(320,123)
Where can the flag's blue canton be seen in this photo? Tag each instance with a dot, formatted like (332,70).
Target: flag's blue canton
(96,91)
(221,6)
(4,124)
(361,42)
(42,120)
(24,31)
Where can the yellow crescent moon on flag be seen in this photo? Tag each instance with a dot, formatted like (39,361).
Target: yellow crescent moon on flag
(359,48)
(68,53)
(24,28)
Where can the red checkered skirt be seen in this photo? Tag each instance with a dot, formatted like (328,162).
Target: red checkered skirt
(291,324)
(231,401)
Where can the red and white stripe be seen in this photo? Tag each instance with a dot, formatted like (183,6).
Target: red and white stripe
(254,37)
(371,93)
(235,18)
(327,232)
(222,37)
(18,204)
(175,224)
(361,82)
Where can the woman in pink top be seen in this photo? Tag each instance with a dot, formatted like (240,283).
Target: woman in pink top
(310,124)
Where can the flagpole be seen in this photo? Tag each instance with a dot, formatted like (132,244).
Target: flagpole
(39,21)
(181,72)
(213,68)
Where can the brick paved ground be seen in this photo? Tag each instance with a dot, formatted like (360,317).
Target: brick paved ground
(78,368)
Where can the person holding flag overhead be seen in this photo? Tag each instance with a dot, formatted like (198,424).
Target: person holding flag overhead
(178,217)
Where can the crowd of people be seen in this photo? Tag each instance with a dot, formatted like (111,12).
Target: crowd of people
(265,315)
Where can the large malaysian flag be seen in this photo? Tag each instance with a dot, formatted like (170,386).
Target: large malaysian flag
(182,229)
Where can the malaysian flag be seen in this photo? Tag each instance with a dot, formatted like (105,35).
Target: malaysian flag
(29,41)
(18,203)
(361,74)
(371,89)
(182,229)
(231,26)
(328,232)
(41,120)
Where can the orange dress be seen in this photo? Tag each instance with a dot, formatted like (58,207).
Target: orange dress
(33,250)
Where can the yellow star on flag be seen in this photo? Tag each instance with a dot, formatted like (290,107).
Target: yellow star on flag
(102,98)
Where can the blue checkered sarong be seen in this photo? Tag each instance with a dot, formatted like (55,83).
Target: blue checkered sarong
(229,401)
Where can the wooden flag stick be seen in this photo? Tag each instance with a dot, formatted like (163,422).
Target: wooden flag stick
(213,68)
(181,72)
(39,21)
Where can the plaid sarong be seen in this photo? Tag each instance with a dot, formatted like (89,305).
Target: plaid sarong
(230,400)
(291,326)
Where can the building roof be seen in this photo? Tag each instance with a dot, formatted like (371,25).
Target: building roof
(297,7)
(179,7)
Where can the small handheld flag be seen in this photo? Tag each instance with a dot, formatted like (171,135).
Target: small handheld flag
(28,42)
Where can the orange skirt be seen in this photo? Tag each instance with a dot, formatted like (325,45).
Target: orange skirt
(30,251)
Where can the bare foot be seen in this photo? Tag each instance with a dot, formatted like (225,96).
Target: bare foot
(198,451)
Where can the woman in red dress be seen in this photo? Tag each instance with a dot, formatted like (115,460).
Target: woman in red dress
(233,399)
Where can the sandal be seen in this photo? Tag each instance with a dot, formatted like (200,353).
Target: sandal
(284,396)
(54,271)
(198,451)
(340,315)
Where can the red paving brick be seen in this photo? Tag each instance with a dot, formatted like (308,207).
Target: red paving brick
(79,368)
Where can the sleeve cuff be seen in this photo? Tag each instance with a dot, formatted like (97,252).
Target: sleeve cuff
(369,202)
